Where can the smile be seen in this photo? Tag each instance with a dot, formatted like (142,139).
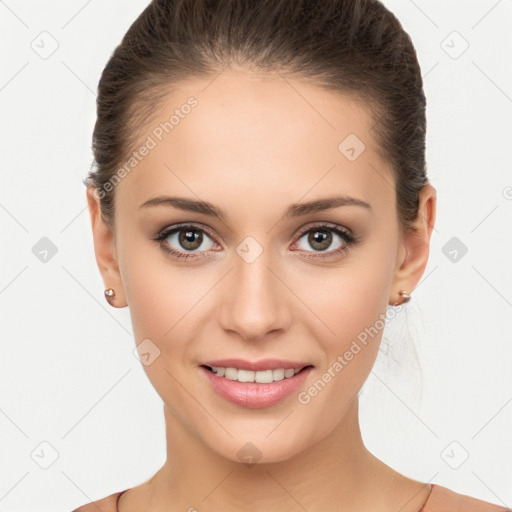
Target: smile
(255,385)
(261,377)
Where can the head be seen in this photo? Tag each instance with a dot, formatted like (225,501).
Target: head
(250,113)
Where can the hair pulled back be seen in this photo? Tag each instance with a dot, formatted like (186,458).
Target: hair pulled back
(355,47)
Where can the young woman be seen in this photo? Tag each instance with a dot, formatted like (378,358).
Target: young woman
(260,199)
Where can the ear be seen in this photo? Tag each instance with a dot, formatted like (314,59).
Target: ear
(413,256)
(105,249)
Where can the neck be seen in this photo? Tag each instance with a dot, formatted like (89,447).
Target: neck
(337,470)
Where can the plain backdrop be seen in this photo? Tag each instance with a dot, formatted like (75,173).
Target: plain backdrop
(78,417)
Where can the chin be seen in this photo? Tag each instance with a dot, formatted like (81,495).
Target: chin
(256,448)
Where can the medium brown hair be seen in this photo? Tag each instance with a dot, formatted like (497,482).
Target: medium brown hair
(355,47)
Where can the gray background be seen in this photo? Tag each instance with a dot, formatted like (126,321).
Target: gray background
(78,417)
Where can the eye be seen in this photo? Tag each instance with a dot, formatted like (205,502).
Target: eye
(184,241)
(322,237)
(189,241)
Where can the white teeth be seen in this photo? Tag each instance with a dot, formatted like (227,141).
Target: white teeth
(278,374)
(261,377)
(245,376)
(231,373)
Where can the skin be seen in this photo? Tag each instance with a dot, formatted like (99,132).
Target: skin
(252,146)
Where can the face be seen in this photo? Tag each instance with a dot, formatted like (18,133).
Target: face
(286,287)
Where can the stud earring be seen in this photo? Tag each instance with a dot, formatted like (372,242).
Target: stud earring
(110,295)
(406,297)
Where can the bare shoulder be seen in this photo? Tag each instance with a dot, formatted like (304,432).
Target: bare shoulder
(442,499)
(107,504)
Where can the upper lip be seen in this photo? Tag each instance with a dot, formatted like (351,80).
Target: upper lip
(263,364)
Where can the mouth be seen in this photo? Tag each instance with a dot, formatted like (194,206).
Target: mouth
(255,385)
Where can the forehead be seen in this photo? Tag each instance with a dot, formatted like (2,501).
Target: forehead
(254,134)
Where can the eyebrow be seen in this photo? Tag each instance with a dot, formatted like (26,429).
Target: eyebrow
(293,210)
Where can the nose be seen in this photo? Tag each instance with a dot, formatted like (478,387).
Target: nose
(255,303)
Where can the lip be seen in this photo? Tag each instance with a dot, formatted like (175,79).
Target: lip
(263,364)
(254,395)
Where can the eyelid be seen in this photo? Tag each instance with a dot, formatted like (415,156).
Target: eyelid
(326,225)
(169,230)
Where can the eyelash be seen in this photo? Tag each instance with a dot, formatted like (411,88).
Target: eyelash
(348,239)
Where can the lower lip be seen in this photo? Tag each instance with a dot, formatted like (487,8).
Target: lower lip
(252,394)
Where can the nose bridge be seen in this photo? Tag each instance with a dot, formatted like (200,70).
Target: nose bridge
(255,305)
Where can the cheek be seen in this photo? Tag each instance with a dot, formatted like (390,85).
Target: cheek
(163,303)
(355,313)
(149,297)
(351,303)
(159,293)
(348,300)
